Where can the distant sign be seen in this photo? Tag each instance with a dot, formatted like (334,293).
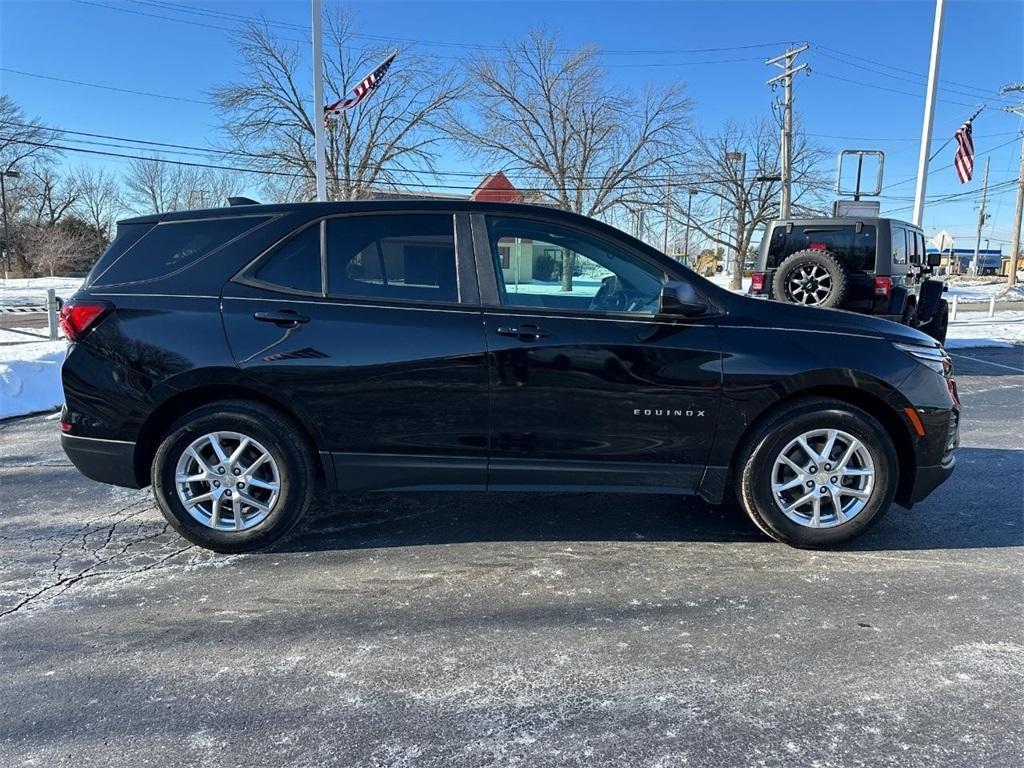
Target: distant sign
(943,241)
(855,209)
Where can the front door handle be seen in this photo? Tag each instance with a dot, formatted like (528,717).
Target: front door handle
(524,332)
(283,318)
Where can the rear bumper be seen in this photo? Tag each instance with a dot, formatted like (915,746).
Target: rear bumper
(927,479)
(106,461)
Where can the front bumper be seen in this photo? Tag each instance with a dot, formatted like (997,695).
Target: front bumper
(106,461)
(927,479)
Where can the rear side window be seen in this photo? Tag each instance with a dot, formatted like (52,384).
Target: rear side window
(296,263)
(127,236)
(899,245)
(171,246)
(392,257)
(855,249)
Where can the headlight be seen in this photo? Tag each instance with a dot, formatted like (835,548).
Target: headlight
(934,357)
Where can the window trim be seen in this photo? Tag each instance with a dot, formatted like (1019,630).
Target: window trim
(268,218)
(487,271)
(247,275)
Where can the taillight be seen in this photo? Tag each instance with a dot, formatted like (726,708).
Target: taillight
(757,282)
(77,317)
(883,286)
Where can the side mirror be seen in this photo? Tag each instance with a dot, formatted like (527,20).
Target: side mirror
(934,259)
(681,298)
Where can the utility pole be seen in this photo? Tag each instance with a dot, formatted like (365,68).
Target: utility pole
(786,61)
(739,159)
(689,208)
(668,215)
(318,106)
(981,218)
(1011,277)
(7,174)
(929,114)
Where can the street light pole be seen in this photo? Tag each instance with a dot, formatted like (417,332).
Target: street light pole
(739,159)
(1017,109)
(929,114)
(686,243)
(7,174)
(318,108)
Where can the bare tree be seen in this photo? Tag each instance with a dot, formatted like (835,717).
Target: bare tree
(155,186)
(48,194)
(734,201)
(551,117)
(49,247)
(22,137)
(391,138)
(99,198)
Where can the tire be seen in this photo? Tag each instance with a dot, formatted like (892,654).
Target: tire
(280,485)
(909,313)
(938,326)
(811,278)
(757,469)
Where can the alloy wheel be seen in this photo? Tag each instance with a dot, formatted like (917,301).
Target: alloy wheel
(823,478)
(809,284)
(227,481)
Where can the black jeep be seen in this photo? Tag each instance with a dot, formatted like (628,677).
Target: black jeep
(869,265)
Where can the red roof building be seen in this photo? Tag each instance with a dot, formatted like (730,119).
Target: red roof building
(496,188)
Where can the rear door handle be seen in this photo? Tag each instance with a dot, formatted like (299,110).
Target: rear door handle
(283,318)
(524,332)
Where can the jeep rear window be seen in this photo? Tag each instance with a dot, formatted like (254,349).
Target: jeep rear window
(171,246)
(853,248)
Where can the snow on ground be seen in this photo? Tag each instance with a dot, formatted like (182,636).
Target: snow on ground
(977,329)
(977,289)
(31,291)
(722,280)
(30,377)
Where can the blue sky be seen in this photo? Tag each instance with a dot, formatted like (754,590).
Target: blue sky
(865,90)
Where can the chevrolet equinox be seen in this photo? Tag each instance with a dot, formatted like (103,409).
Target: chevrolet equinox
(234,358)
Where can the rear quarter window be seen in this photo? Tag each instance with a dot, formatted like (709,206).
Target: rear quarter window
(171,246)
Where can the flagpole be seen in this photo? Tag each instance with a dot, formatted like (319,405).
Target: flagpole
(929,114)
(318,105)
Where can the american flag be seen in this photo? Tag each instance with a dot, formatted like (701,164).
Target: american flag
(366,86)
(964,159)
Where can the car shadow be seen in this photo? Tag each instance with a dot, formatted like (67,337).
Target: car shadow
(956,516)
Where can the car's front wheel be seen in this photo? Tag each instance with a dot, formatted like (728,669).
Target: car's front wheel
(818,473)
(233,476)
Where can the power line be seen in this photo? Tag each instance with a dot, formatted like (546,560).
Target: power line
(885,88)
(860,59)
(104,87)
(973,93)
(240,18)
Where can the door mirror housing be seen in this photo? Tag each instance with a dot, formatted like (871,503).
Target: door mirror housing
(681,298)
(934,259)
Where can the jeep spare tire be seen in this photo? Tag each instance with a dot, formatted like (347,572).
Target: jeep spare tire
(813,278)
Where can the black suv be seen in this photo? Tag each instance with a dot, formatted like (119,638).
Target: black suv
(874,266)
(235,358)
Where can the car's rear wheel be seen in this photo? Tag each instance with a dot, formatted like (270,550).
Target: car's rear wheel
(233,476)
(818,473)
(810,277)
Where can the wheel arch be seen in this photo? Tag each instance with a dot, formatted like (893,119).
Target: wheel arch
(173,407)
(869,402)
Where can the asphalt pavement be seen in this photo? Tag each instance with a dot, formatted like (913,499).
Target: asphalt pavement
(518,630)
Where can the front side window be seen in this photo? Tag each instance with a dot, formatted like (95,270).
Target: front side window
(545,265)
(409,257)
